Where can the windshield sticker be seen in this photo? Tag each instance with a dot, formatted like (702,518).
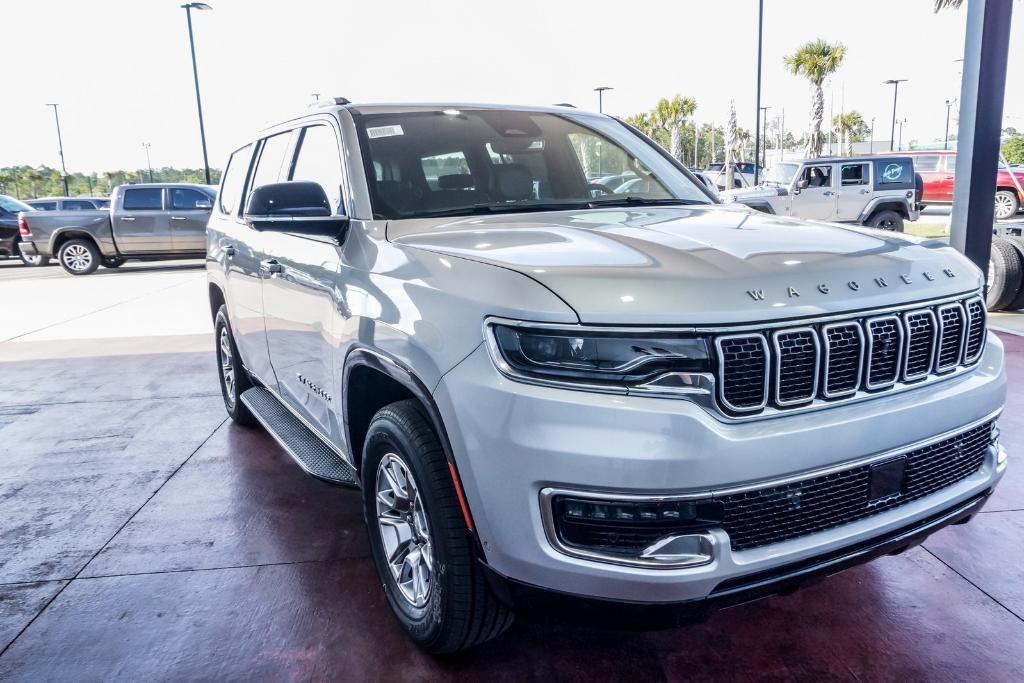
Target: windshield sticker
(892,172)
(384,131)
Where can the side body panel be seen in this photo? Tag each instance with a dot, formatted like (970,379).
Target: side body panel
(140,231)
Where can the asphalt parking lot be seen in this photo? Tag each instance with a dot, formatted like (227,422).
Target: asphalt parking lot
(144,537)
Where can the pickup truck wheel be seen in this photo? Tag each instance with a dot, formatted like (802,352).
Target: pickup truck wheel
(1004,275)
(33,260)
(234,379)
(1006,206)
(886,220)
(113,262)
(79,257)
(421,546)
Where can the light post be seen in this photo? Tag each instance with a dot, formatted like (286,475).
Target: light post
(60,147)
(900,148)
(149,164)
(600,97)
(757,103)
(895,83)
(945,140)
(872,143)
(188,7)
(762,111)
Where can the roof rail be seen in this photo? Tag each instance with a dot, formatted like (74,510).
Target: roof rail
(564,104)
(330,102)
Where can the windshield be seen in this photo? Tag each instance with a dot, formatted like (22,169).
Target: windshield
(12,205)
(462,162)
(781,174)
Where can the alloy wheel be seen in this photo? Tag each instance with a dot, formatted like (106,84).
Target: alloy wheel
(227,367)
(76,257)
(404,531)
(1004,206)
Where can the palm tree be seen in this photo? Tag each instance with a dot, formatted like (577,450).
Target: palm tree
(730,146)
(816,60)
(850,125)
(643,123)
(670,115)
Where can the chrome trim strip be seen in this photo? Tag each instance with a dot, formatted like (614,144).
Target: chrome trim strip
(868,384)
(778,364)
(721,371)
(860,359)
(909,338)
(939,368)
(970,324)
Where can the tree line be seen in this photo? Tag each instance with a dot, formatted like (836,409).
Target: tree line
(27,182)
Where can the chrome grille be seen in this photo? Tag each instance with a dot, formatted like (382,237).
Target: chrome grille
(796,368)
(951,337)
(743,360)
(815,363)
(922,332)
(975,330)
(885,347)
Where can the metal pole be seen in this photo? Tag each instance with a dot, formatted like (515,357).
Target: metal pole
(60,147)
(199,102)
(600,97)
(945,140)
(757,105)
(149,164)
(872,143)
(895,94)
(983,90)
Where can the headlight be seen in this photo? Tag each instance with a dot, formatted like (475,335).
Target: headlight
(605,358)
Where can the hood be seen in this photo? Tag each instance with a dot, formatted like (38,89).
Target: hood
(699,265)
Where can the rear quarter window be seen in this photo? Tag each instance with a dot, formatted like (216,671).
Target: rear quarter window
(894,174)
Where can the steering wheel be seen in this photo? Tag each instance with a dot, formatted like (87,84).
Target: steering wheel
(600,188)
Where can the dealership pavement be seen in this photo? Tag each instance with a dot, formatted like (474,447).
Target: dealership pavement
(143,537)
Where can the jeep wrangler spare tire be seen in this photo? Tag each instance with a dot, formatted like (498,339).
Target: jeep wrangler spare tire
(1004,275)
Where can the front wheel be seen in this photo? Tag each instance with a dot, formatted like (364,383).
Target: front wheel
(1006,206)
(79,257)
(234,380)
(421,546)
(886,220)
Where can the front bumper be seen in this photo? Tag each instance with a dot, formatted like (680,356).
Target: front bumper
(513,440)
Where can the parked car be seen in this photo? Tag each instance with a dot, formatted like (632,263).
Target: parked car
(68,203)
(743,174)
(614,182)
(704,178)
(652,401)
(10,240)
(878,193)
(938,169)
(149,222)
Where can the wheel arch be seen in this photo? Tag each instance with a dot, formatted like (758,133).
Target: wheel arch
(59,237)
(216,299)
(899,206)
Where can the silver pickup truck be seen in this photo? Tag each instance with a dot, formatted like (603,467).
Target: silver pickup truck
(147,222)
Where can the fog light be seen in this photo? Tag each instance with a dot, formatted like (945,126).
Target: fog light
(1001,454)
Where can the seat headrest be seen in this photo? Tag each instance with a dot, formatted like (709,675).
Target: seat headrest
(456,181)
(513,181)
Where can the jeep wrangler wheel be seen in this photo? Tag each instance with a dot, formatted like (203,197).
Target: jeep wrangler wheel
(421,546)
(79,257)
(886,220)
(233,378)
(1006,205)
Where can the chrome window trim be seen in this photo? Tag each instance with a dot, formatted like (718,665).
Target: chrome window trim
(868,384)
(860,359)
(935,343)
(778,366)
(970,324)
(939,369)
(721,377)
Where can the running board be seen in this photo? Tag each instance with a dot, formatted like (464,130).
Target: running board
(299,441)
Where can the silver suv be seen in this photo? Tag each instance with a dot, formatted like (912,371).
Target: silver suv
(551,393)
(879,192)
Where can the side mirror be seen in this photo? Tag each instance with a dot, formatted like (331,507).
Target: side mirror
(298,207)
(801,184)
(204,204)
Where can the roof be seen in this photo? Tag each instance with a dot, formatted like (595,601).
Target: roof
(841,160)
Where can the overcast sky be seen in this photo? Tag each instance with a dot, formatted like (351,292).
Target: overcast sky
(121,70)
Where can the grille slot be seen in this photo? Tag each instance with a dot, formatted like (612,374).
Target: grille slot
(844,358)
(951,337)
(975,330)
(743,361)
(885,346)
(775,514)
(922,333)
(796,366)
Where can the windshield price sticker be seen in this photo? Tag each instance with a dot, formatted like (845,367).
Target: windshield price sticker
(384,131)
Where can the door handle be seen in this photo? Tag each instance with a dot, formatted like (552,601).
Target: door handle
(271,266)
(127,218)
(178,218)
(828,193)
(865,191)
(229,250)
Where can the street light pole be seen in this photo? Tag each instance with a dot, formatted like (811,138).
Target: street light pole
(60,147)
(945,140)
(872,143)
(757,158)
(188,7)
(149,164)
(757,104)
(895,83)
(600,97)
(902,121)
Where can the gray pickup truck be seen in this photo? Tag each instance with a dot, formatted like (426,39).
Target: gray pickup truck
(148,222)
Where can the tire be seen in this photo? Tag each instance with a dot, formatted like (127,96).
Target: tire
(32,261)
(452,608)
(1006,205)
(1004,275)
(79,257)
(234,380)
(113,262)
(886,220)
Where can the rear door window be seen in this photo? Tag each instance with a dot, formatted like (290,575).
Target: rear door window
(926,163)
(77,205)
(234,180)
(143,199)
(854,174)
(45,206)
(318,161)
(185,199)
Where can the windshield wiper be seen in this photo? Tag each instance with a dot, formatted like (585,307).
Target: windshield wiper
(631,200)
(480,209)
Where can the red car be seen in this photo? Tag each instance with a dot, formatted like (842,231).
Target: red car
(937,169)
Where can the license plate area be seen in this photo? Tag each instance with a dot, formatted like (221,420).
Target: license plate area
(886,479)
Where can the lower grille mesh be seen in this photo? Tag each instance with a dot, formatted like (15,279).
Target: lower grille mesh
(771,515)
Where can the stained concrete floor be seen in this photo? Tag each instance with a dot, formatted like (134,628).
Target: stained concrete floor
(143,537)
